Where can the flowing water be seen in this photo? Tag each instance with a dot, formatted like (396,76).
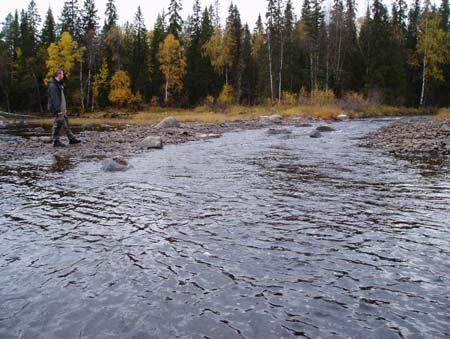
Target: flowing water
(250,235)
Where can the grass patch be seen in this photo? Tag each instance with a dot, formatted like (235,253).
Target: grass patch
(443,113)
(311,108)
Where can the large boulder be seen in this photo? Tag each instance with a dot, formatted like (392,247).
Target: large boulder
(115,165)
(271,119)
(152,142)
(325,128)
(168,123)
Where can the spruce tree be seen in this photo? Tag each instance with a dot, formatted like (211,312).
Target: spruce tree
(89,17)
(48,33)
(444,12)
(139,66)
(158,36)
(175,20)
(193,57)
(234,29)
(34,21)
(111,16)
(249,69)
(70,19)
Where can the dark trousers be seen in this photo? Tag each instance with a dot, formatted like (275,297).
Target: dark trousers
(62,121)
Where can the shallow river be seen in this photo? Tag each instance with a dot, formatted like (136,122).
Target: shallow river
(250,235)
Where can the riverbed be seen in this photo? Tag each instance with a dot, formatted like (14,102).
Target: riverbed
(251,235)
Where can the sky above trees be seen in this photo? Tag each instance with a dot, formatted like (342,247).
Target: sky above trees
(249,9)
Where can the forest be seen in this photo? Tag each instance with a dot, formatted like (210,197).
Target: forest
(396,56)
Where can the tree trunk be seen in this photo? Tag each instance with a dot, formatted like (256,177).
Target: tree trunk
(311,71)
(167,92)
(226,74)
(425,55)
(88,94)
(270,67)
(81,87)
(339,66)
(280,74)
(37,91)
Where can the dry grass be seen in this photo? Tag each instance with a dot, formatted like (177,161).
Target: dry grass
(443,113)
(311,108)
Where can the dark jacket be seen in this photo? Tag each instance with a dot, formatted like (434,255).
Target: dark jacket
(55,88)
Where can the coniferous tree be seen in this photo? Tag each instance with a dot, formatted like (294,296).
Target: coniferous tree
(337,44)
(139,65)
(195,86)
(70,19)
(111,38)
(444,12)
(249,70)
(48,33)
(89,18)
(288,34)
(444,87)
(412,76)
(175,20)
(233,31)
(34,21)
(158,36)
(260,59)
(89,25)
(111,16)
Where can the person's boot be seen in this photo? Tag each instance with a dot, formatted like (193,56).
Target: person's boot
(58,143)
(74,141)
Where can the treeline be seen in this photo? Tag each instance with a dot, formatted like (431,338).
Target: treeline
(401,56)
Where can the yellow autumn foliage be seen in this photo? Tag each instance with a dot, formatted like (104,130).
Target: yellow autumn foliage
(173,65)
(63,55)
(120,92)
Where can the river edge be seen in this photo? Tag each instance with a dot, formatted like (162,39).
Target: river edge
(127,142)
(422,137)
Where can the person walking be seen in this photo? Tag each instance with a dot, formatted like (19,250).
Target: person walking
(58,107)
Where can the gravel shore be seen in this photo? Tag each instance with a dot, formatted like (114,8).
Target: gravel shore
(126,142)
(422,137)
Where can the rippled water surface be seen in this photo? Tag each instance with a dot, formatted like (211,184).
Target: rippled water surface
(250,235)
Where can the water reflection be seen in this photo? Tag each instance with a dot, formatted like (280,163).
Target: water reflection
(228,238)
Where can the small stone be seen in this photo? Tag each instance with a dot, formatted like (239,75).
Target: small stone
(315,134)
(274,131)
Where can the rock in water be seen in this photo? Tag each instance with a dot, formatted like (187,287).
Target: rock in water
(342,117)
(208,136)
(115,165)
(168,123)
(152,142)
(315,134)
(325,128)
(273,131)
